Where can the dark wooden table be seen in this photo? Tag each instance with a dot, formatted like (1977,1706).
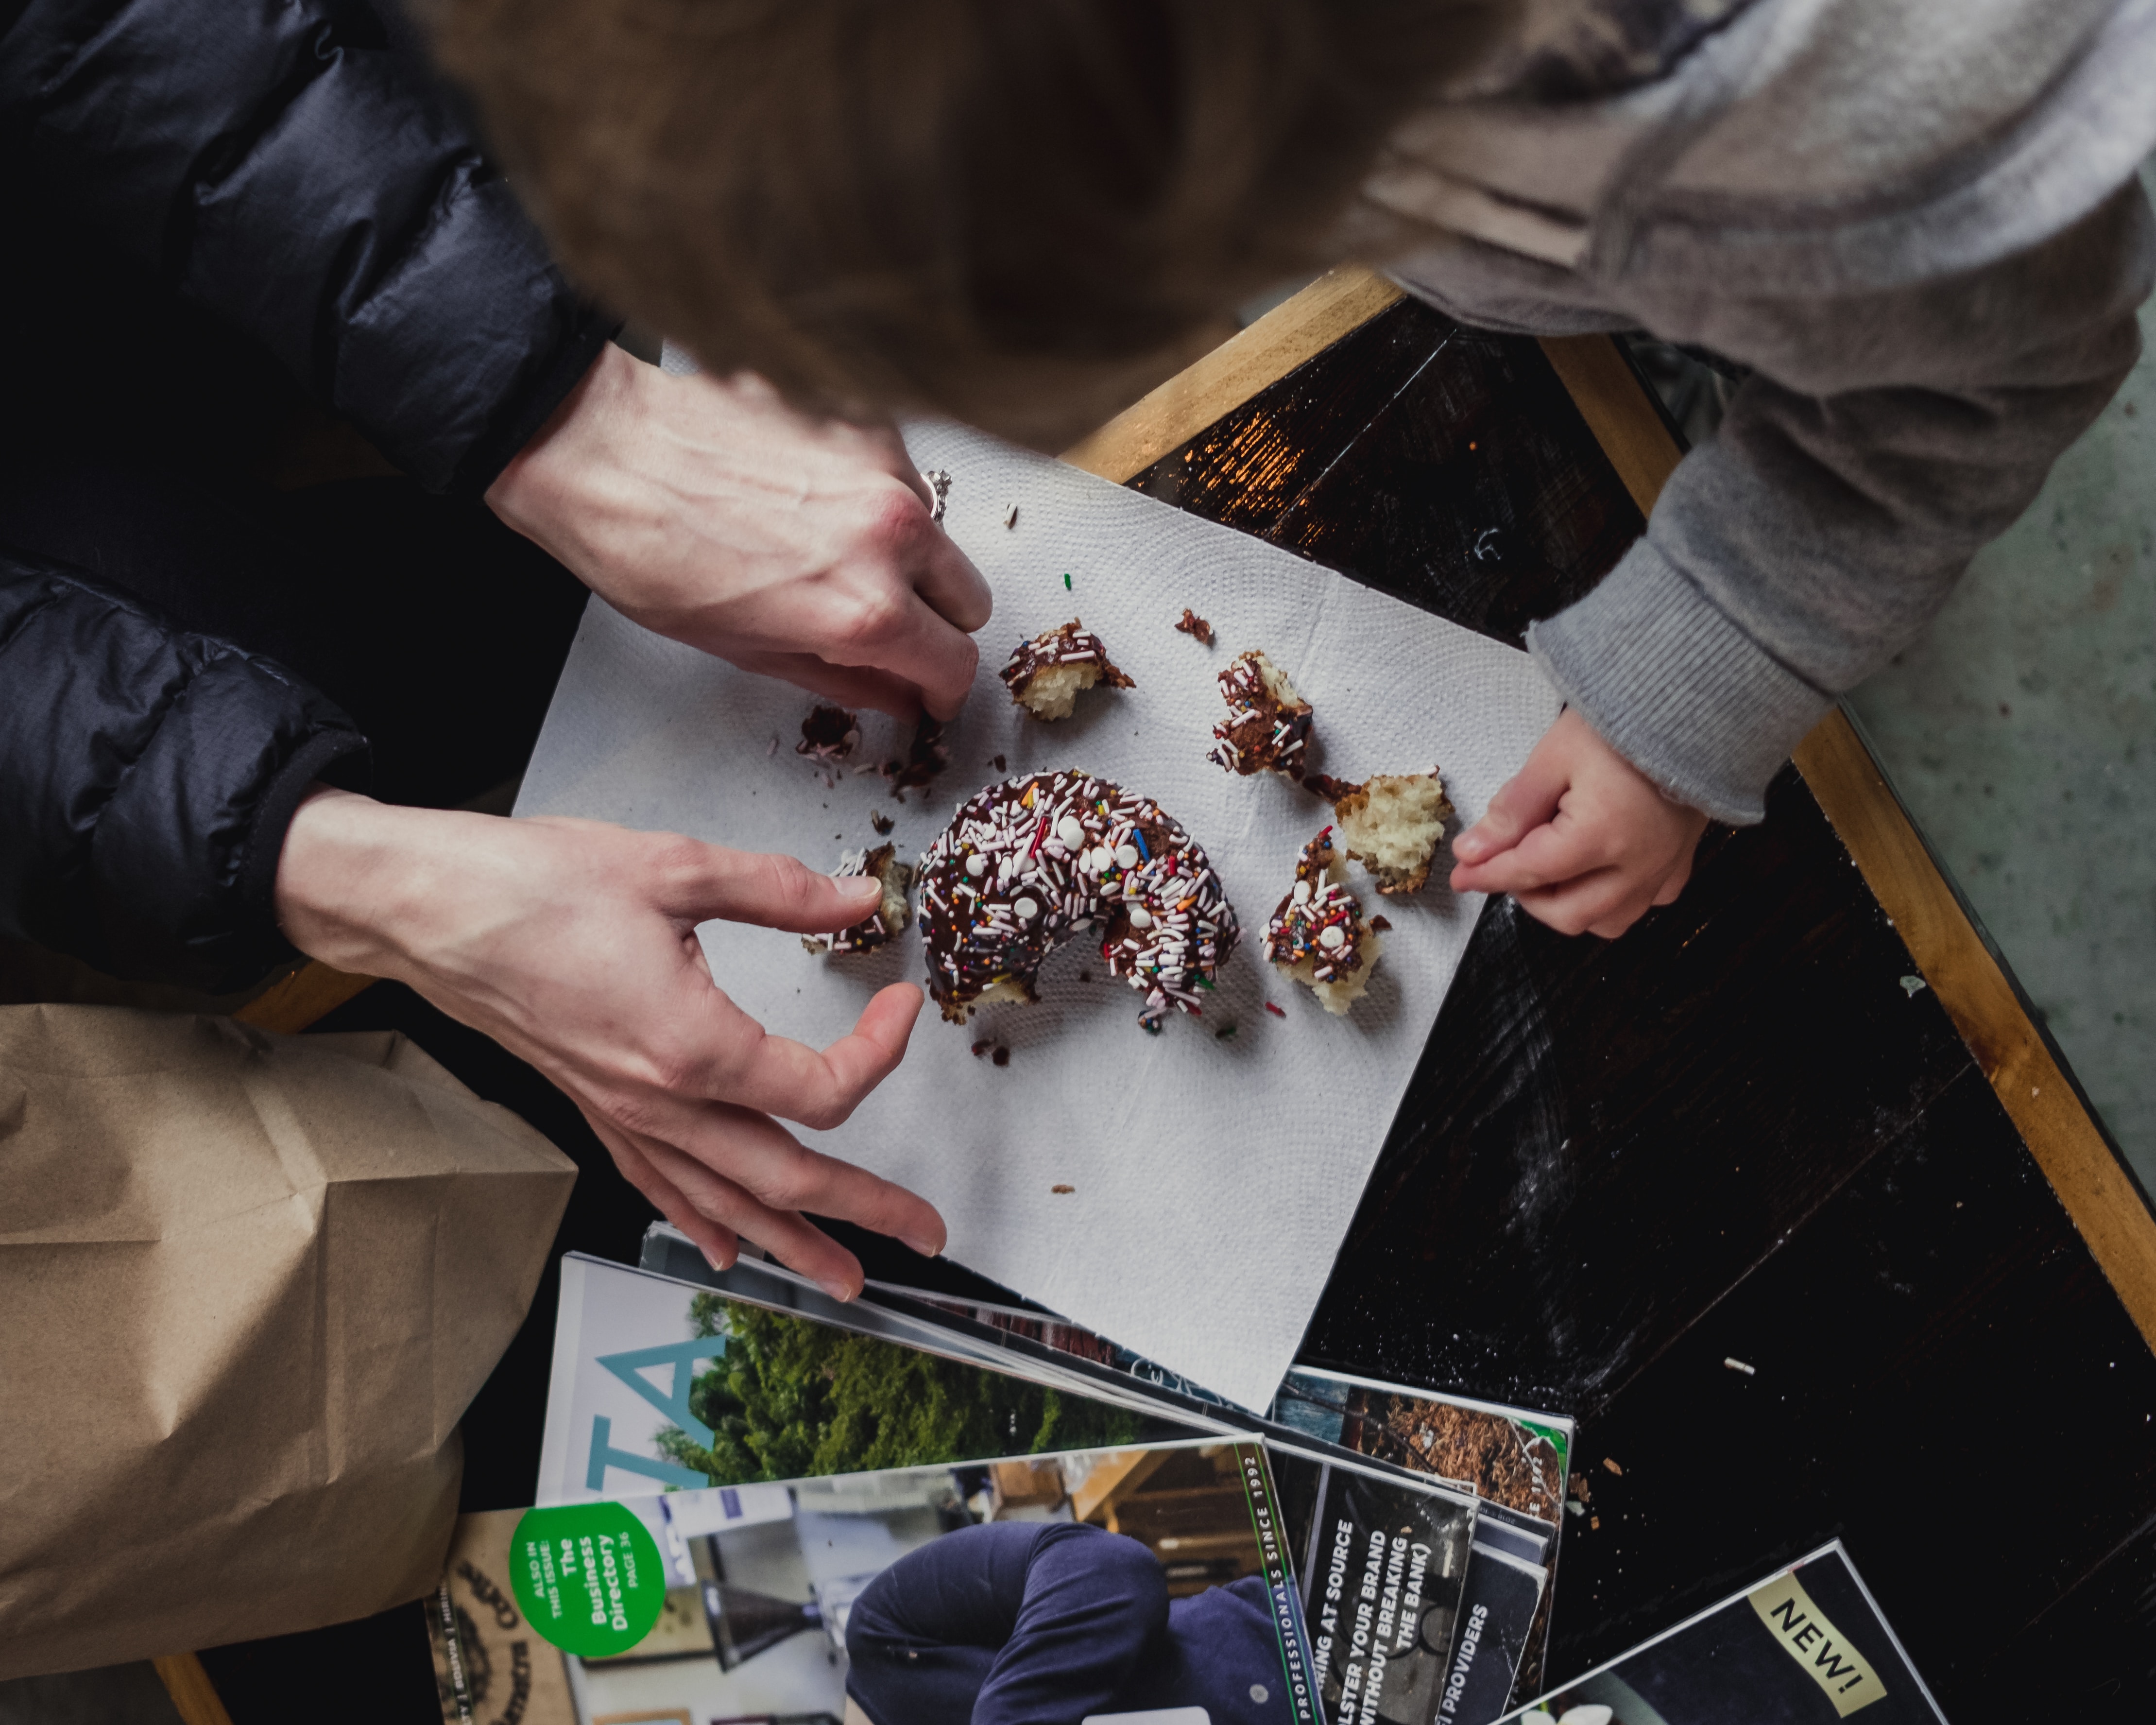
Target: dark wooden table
(1802,1118)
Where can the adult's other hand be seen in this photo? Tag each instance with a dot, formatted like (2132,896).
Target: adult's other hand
(708,509)
(572,944)
(1583,840)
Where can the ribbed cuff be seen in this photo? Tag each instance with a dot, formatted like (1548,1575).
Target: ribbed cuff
(1670,683)
(332,756)
(483,462)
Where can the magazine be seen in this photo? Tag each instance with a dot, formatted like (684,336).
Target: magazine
(1382,1562)
(1501,1609)
(893,1596)
(1514,1461)
(792,1350)
(1806,1646)
(1517,1461)
(659,1385)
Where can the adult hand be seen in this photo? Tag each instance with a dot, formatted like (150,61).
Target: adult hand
(1583,838)
(572,944)
(708,510)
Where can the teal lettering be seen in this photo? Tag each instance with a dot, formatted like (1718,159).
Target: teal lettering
(605,1456)
(681,1356)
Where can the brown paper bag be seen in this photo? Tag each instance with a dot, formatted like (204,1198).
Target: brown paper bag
(247,1284)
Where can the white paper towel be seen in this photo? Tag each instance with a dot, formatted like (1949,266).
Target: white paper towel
(1212,1178)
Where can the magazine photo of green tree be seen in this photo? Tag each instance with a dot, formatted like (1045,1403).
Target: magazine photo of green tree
(788,1400)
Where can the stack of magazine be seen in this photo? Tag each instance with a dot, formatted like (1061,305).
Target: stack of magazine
(759,1504)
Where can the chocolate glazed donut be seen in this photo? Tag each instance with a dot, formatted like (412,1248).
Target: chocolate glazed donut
(1027,865)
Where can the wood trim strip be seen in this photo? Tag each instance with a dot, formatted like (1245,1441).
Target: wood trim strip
(1338,302)
(2118,1227)
(194,1697)
(1607,394)
(312,992)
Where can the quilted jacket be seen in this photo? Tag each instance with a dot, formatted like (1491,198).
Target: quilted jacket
(287,167)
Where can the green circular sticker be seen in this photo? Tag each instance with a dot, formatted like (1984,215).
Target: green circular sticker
(588,1576)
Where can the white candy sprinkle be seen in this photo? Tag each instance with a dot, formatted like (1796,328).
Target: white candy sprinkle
(1027,909)
(1302,892)
(1070,831)
(1332,937)
(1141,917)
(1126,856)
(977,866)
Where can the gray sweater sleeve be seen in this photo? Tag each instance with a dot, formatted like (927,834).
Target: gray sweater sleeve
(1882,438)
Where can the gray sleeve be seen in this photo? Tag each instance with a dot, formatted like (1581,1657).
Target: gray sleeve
(1882,438)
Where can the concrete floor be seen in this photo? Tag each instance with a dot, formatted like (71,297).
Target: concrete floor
(2022,733)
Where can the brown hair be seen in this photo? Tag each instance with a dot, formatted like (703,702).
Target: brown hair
(1020,212)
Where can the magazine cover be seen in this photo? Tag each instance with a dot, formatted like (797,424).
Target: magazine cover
(1381,1562)
(1148,1583)
(1806,1646)
(1500,1609)
(1509,1456)
(660,1386)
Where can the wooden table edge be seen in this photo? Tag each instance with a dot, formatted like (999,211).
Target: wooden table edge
(1950,951)
(194,1697)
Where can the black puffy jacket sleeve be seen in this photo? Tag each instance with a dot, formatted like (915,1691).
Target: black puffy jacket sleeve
(290,168)
(147,775)
(277,164)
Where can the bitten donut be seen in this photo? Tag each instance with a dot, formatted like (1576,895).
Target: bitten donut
(1038,861)
(1267,722)
(1391,825)
(891,915)
(1316,934)
(1047,674)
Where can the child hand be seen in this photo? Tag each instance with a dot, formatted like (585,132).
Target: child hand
(1580,837)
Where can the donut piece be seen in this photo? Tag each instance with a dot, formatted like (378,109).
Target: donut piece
(1047,673)
(1317,935)
(892,916)
(1391,825)
(1040,860)
(1267,722)
(828,734)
